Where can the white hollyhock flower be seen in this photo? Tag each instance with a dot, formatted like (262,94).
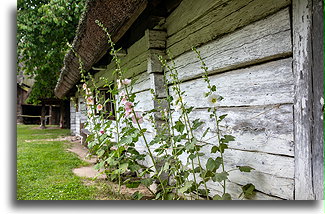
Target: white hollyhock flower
(214,99)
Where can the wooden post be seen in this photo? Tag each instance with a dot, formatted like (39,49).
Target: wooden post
(308,74)
(43,112)
(62,114)
(51,118)
(318,95)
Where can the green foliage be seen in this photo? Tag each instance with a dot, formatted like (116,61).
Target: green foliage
(44,27)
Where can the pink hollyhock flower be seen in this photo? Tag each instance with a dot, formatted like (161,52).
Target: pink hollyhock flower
(137,116)
(128,108)
(126,82)
(123,96)
(99,107)
(84,86)
(102,132)
(90,100)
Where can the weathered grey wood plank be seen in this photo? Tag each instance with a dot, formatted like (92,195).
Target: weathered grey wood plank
(280,166)
(265,84)
(235,190)
(262,129)
(184,14)
(269,184)
(318,96)
(269,187)
(271,39)
(214,19)
(302,62)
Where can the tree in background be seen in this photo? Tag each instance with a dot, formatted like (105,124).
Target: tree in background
(44,27)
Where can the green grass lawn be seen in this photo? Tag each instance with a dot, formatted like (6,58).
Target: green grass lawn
(44,168)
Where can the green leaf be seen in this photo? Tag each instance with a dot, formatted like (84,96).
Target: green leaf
(147,182)
(166,166)
(205,132)
(227,138)
(187,186)
(137,195)
(192,156)
(214,149)
(226,196)
(123,167)
(213,88)
(220,176)
(197,169)
(179,126)
(211,165)
(217,197)
(134,184)
(222,117)
(196,124)
(100,152)
(245,168)
(248,190)
(222,147)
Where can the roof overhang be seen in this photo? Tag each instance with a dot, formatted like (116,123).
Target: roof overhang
(90,42)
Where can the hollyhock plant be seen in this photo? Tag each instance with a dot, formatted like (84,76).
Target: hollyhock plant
(128,108)
(90,100)
(123,96)
(213,99)
(126,82)
(99,107)
(84,86)
(138,116)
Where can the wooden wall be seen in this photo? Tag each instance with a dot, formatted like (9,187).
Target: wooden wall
(247,47)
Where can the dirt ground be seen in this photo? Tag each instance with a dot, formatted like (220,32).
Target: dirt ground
(90,172)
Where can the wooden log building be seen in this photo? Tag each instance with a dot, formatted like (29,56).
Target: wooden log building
(265,57)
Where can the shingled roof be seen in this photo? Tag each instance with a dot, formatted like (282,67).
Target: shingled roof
(90,42)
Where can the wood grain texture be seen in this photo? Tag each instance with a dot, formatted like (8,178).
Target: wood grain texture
(265,84)
(271,39)
(200,23)
(302,20)
(318,95)
(257,129)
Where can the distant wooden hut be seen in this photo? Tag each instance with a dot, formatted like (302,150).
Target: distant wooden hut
(266,58)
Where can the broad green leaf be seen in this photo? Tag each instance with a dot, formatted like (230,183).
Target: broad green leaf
(248,190)
(134,184)
(187,185)
(245,168)
(214,149)
(222,117)
(227,138)
(123,167)
(192,156)
(179,126)
(147,182)
(211,165)
(226,196)
(222,147)
(217,197)
(220,176)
